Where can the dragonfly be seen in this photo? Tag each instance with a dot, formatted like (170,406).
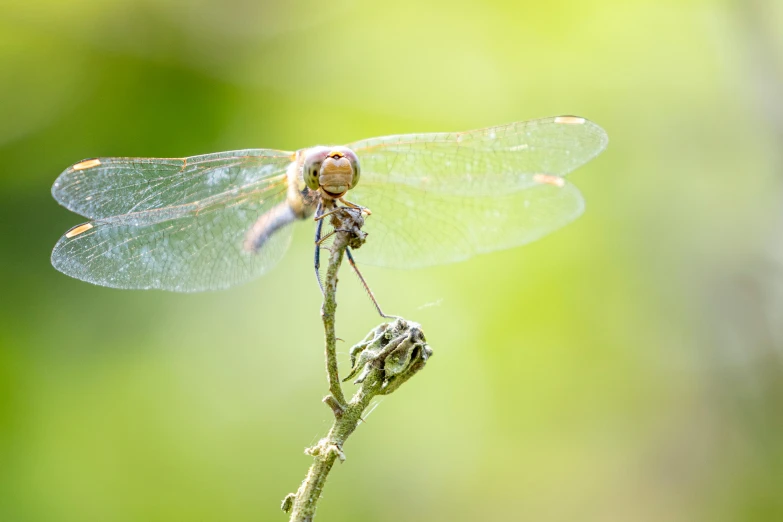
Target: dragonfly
(213,221)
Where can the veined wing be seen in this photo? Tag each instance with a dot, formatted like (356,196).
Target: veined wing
(412,228)
(105,187)
(444,197)
(484,162)
(173,235)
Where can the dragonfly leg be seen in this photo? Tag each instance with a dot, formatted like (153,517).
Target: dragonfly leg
(354,205)
(317,256)
(326,214)
(330,234)
(366,286)
(320,240)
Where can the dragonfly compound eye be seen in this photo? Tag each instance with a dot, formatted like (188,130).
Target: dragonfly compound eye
(311,167)
(357,169)
(311,176)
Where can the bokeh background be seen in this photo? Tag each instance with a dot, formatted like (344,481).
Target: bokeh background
(628,367)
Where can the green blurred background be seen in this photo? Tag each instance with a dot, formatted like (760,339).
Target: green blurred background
(628,367)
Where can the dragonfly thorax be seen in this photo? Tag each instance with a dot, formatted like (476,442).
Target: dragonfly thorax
(332,171)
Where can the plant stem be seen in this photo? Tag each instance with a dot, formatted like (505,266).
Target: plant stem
(327,451)
(401,343)
(328,310)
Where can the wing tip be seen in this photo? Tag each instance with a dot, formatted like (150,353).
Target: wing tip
(580,120)
(597,130)
(58,187)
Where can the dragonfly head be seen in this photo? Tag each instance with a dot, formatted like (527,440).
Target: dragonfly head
(332,170)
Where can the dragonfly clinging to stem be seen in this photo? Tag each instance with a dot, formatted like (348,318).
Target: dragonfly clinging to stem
(212,221)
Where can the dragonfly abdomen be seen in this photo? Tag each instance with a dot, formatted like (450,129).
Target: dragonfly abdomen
(270,222)
(299,204)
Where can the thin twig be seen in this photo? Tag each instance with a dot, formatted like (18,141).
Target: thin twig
(328,310)
(326,452)
(388,356)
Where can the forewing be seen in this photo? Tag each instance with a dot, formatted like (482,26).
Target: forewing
(443,197)
(484,162)
(184,248)
(411,228)
(105,187)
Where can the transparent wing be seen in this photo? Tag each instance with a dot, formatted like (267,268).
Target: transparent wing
(484,162)
(105,187)
(153,229)
(412,228)
(443,197)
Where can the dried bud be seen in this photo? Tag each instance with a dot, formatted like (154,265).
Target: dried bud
(398,350)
